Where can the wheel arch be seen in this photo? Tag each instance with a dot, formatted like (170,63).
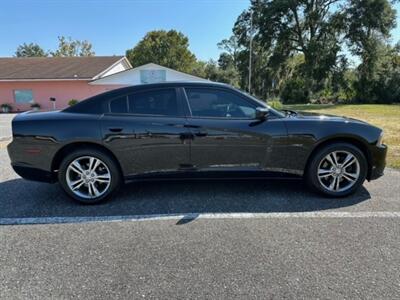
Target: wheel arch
(362,145)
(62,152)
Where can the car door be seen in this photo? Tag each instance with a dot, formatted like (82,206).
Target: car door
(146,130)
(226,135)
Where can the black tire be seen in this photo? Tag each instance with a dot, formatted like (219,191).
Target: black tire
(312,170)
(115,180)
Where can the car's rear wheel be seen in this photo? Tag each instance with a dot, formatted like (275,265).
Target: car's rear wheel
(337,170)
(89,175)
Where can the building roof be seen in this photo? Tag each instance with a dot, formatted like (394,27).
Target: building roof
(56,68)
(130,76)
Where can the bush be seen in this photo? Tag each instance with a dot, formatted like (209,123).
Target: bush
(72,102)
(5,107)
(35,105)
(386,89)
(275,103)
(294,91)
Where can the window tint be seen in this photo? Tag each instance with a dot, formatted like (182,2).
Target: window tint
(119,105)
(218,104)
(158,102)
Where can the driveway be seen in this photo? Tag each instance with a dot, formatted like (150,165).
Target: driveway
(208,239)
(5,126)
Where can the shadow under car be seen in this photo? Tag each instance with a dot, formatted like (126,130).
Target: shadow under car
(26,199)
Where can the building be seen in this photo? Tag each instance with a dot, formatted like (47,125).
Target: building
(37,79)
(24,81)
(148,73)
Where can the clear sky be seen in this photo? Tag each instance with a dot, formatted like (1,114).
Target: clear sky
(113,26)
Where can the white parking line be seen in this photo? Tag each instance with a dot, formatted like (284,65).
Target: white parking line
(192,216)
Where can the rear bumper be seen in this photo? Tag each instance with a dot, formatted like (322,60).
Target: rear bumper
(378,162)
(32,158)
(34,174)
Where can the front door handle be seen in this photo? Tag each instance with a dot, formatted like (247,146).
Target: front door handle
(115,129)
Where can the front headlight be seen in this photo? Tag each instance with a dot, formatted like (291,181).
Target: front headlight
(380,140)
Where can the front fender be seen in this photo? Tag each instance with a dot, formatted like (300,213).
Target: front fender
(305,137)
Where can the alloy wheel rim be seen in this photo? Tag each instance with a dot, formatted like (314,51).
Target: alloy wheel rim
(88,177)
(338,171)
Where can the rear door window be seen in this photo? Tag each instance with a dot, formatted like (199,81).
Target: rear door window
(119,105)
(162,102)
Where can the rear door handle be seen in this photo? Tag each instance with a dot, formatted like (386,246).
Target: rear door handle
(115,129)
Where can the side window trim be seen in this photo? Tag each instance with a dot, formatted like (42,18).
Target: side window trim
(217,89)
(186,99)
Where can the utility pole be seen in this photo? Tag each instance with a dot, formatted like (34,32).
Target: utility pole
(251,44)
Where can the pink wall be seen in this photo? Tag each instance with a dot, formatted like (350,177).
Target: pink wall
(63,91)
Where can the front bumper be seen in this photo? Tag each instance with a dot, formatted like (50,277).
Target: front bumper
(378,162)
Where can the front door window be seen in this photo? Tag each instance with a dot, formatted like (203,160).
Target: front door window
(214,103)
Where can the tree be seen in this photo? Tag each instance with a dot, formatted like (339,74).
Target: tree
(383,86)
(30,50)
(225,61)
(369,24)
(285,28)
(215,73)
(300,49)
(70,47)
(386,87)
(166,48)
(231,49)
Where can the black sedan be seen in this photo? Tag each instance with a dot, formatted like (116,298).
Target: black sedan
(180,130)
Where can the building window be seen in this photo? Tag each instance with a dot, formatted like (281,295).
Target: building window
(23,96)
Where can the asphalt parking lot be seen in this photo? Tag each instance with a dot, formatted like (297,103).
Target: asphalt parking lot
(207,239)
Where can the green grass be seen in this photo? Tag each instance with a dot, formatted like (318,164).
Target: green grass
(386,117)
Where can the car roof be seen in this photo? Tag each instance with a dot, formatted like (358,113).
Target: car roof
(120,91)
(173,84)
(146,86)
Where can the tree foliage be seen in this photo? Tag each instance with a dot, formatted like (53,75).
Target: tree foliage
(301,48)
(30,50)
(288,27)
(167,48)
(369,25)
(66,47)
(69,47)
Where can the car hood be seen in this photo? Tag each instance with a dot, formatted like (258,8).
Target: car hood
(324,117)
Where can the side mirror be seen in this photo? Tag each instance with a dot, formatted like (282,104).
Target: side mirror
(262,113)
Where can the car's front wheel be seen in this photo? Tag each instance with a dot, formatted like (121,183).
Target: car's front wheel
(89,175)
(337,170)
